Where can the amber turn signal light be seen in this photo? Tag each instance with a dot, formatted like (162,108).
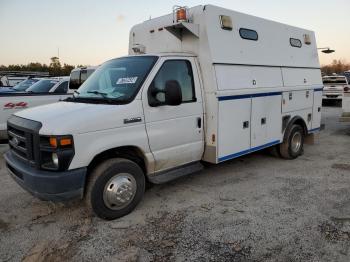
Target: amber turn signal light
(53,142)
(65,142)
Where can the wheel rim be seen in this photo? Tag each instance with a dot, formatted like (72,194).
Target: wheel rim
(119,191)
(296,142)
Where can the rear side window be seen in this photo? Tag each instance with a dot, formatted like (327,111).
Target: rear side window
(83,75)
(74,81)
(248,34)
(62,88)
(334,80)
(90,71)
(295,42)
(42,86)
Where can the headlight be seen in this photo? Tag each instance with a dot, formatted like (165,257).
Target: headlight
(56,152)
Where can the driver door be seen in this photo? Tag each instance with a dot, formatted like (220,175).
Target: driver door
(175,133)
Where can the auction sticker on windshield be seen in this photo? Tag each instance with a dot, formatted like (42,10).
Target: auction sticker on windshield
(127,80)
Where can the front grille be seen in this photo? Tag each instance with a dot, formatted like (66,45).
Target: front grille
(20,142)
(23,135)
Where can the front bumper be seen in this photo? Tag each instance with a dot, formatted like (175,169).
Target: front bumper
(47,185)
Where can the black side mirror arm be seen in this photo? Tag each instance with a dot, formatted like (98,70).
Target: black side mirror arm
(155,91)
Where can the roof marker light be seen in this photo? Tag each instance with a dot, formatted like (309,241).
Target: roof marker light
(181,13)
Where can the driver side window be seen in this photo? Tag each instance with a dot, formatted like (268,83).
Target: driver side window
(179,70)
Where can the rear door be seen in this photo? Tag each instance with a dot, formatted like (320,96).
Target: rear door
(175,132)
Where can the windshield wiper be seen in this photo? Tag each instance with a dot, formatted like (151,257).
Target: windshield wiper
(76,92)
(96,92)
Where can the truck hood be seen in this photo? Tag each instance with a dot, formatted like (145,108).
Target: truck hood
(64,118)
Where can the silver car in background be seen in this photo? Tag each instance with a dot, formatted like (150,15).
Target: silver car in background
(334,87)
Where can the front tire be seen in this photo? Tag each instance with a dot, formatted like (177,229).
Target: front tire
(293,144)
(115,187)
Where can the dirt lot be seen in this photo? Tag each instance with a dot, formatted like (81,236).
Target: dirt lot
(256,208)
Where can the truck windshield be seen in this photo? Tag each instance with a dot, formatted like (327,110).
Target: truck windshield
(25,84)
(42,86)
(117,80)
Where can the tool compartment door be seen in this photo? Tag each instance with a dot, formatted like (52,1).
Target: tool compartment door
(233,128)
(316,111)
(266,120)
(297,100)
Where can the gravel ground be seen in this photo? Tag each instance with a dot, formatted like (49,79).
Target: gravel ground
(255,208)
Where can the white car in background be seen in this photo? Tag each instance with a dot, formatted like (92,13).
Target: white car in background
(44,91)
(334,87)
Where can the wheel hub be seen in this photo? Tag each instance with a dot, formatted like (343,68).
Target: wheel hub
(119,191)
(296,142)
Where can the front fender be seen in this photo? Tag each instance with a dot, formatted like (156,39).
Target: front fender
(88,145)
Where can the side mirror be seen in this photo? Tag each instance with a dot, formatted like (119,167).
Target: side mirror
(173,93)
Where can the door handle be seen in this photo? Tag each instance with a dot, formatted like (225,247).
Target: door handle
(199,122)
(245,124)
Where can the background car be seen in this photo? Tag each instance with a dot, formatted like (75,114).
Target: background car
(79,75)
(20,87)
(50,85)
(334,87)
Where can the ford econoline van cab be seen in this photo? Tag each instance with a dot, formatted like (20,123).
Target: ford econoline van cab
(204,84)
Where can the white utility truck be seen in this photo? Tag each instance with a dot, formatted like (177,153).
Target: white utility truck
(44,91)
(200,84)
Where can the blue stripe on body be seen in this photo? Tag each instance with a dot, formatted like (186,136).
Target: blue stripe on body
(231,156)
(223,98)
(314,130)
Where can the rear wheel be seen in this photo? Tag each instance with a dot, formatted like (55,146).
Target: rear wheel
(115,187)
(293,144)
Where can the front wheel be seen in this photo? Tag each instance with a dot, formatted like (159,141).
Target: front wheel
(293,145)
(115,187)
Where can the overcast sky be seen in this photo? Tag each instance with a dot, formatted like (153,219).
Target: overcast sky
(89,32)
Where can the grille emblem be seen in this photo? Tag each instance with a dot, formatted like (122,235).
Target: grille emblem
(15,141)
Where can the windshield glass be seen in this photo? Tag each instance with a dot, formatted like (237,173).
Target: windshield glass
(25,84)
(334,80)
(118,79)
(43,86)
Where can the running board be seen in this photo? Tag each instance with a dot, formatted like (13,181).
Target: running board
(175,173)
